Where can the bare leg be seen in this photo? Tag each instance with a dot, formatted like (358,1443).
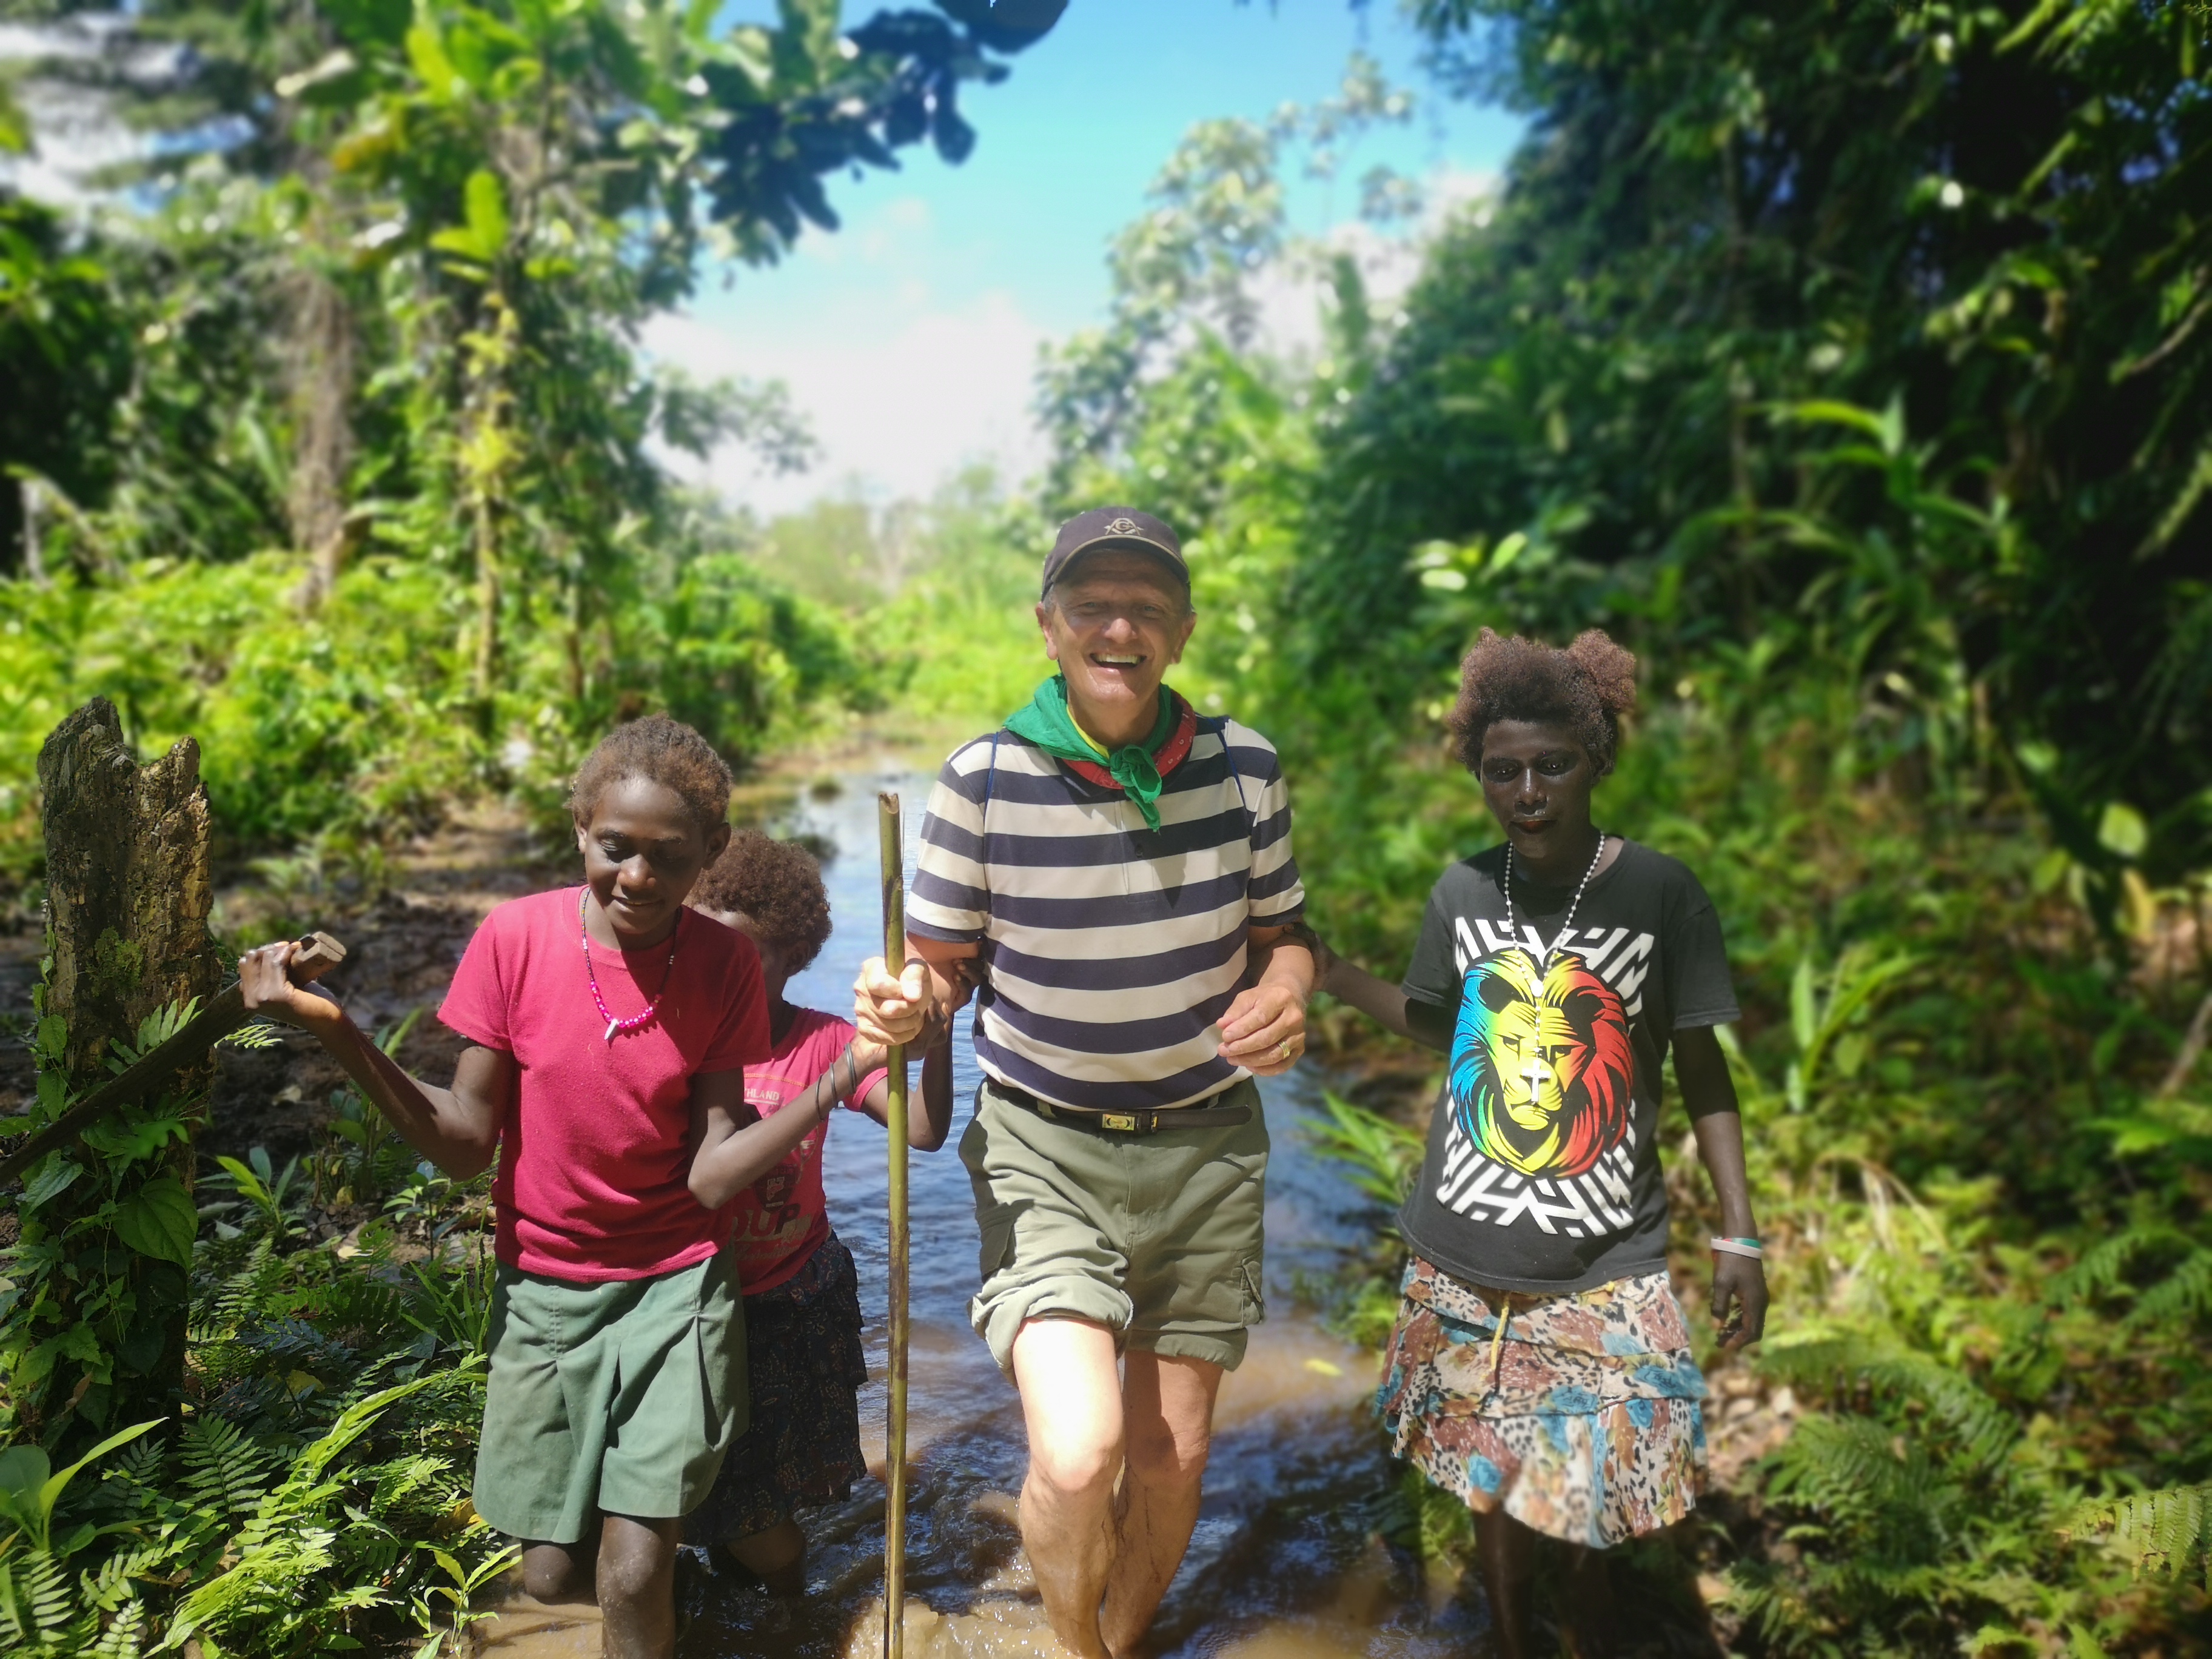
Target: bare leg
(1168,1409)
(1591,1618)
(637,1587)
(557,1573)
(777,1556)
(1508,1553)
(1071,1402)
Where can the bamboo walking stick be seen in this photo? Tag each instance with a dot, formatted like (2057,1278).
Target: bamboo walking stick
(894,850)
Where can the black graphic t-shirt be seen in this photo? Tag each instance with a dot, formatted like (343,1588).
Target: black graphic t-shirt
(1542,1172)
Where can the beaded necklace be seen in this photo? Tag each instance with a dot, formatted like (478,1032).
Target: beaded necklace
(1567,925)
(635,1021)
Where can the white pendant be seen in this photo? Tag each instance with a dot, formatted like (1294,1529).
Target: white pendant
(611,1031)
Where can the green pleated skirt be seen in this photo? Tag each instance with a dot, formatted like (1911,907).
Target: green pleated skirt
(619,1398)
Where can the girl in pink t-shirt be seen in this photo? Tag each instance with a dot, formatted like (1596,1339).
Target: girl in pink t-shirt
(802,1299)
(608,1028)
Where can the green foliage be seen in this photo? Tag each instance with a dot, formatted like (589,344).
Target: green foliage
(2169,1531)
(316,1497)
(1382,1155)
(1733,236)
(340,454)
(1875,486)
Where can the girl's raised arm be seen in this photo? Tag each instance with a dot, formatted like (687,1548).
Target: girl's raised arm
(456,1128)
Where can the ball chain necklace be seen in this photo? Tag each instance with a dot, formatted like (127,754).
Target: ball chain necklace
(1566,925)
(617,1026)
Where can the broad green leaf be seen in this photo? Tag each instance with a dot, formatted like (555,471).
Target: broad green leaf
(52,1178)
(2122,831)
(1804,1008)
(485,235)
(426,54)
(23,1471)
(159,1220)
(249,1184)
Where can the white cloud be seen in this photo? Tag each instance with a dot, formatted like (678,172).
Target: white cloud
(903,388)
(1291,295)
(897,407)
(78,130)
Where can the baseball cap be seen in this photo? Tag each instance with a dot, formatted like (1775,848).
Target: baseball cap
(1114,526)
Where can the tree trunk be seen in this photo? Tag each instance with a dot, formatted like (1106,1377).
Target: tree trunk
(128,893)
(35,551)
(322,375)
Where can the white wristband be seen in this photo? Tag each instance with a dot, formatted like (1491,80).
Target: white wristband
(1729,1247)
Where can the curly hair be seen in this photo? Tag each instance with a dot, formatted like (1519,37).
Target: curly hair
(1586,687)
(663,751)
(778,886)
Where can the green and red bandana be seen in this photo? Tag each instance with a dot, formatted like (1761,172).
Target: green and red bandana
(1136,769)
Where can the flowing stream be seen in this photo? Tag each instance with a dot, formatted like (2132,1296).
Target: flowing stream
(1286,1562)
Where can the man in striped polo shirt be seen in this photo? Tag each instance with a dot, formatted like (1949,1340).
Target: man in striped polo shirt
(1113,876)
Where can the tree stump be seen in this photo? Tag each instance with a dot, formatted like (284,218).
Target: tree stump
(128,888)
(128,894)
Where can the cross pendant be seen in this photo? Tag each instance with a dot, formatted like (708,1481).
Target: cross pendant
(1535,1074)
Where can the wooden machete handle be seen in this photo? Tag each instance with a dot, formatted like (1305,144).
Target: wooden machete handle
(317,955)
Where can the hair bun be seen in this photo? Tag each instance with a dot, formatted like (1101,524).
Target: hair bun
(1611,668)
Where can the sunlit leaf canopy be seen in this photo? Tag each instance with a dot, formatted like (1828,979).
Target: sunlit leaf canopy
(371,289)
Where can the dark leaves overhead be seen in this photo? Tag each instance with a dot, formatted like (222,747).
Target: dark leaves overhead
(901,87)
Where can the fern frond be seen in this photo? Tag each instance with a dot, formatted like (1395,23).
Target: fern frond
(38,1608)
(264,1584)
(125,1637)
(1980,1428)
(224,1469)
(109,1586)
(2183,1294)
(2102,1271)
(2156,1532)
(141,1461)
(410,1485)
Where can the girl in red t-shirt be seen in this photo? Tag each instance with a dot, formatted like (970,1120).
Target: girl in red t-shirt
(802,1297)
(608,1028)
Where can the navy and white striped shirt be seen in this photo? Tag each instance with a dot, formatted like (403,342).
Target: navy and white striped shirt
(1110,951)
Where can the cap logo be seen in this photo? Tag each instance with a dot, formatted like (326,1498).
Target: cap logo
(1124,527)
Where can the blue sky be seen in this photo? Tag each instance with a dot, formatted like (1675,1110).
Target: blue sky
(908,336)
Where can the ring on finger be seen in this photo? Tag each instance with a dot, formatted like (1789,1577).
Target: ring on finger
(1283,1049)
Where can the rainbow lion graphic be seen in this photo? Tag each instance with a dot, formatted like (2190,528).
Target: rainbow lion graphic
(1540,1064)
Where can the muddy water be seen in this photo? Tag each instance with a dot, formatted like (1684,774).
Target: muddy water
(1285,1563)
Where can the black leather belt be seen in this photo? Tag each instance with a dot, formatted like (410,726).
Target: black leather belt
(1146,1121)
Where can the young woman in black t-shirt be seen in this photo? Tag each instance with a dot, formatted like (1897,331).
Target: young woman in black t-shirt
(1540,1366)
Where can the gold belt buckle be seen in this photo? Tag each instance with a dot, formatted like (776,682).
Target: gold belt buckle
(1116,1120)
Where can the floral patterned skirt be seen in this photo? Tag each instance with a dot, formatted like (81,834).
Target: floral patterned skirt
(1582,1417)
(803,1367)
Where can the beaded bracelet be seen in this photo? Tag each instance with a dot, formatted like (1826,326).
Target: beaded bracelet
(1745,1247)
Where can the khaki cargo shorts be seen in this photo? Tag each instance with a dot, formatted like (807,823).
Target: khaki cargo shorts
(1158,1237)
